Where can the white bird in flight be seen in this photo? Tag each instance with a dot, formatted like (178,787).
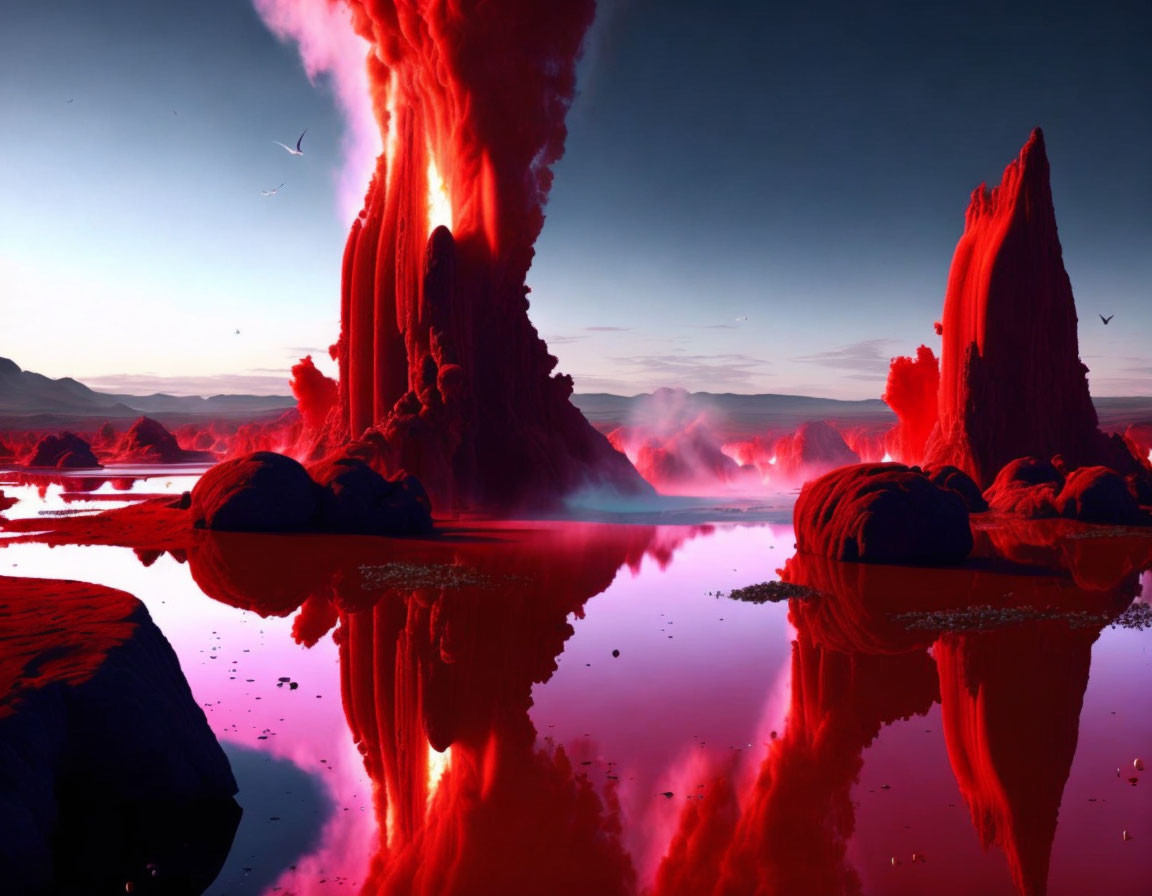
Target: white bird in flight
(270,192)
(297,151)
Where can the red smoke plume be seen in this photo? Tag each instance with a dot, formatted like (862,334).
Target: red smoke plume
(913,384)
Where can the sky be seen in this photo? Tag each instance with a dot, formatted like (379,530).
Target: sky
(756,197)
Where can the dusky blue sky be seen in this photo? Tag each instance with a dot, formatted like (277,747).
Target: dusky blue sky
(756,196)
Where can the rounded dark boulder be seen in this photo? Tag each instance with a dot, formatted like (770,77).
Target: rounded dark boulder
(259,492)
(881,513)
(956,480)
(1026,486)
(1097,495)
(65,451)
(356,498)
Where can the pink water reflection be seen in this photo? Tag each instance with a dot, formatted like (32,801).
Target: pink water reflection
(803,750)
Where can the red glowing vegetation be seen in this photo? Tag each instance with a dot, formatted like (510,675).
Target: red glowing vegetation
(436,351)
(913,386)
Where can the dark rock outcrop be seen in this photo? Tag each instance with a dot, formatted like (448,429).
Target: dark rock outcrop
(1028,486)
(66,450)
(260,492)
(148,442)
(881,513)
(269,492)
(107,764)
(1097,495)
(956,480)
(358,499)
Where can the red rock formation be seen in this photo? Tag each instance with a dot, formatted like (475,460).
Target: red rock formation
(956,480)
(148,442)
(881,513)
(815,448)
(260,492)
(65,451)
(1011,380)
(436,351)
(912,390)
(1097,495)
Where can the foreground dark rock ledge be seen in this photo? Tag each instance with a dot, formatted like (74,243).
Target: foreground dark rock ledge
(107,765)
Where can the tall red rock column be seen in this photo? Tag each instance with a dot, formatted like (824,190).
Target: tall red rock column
(439,365)
(1011,380)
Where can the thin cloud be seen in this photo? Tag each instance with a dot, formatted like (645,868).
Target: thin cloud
(609,329)
(643,373)
(867,359)
(218,384)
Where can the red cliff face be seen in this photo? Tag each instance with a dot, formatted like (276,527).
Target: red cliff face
(1011,380)
(436,351)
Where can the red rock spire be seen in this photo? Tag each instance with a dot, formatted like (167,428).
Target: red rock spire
(1011,380)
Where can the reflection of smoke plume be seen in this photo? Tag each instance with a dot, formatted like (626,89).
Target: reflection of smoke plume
(329,46)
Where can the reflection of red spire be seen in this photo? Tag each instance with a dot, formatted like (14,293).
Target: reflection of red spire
(1011,707)
(790,833)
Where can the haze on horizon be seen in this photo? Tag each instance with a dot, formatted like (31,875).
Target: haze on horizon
(805,169)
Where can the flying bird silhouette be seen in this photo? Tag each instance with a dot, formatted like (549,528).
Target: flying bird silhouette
(271,192)
(1106,319)
(297,151)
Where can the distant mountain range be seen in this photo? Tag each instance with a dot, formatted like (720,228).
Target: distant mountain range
(31,400)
